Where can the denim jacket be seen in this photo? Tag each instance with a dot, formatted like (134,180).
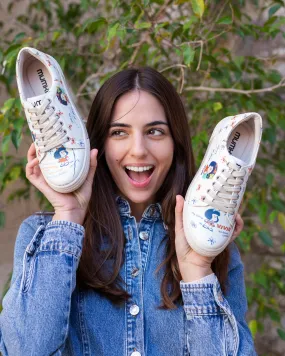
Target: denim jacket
(45,313)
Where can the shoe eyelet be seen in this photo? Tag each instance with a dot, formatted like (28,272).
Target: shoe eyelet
(68,138)
(208,190)
(64,131)
(61,123)
(53,108)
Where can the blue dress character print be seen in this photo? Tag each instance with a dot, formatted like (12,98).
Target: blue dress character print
(212,215)
(61,154)
(210,170)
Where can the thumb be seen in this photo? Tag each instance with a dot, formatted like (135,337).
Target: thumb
(179,214)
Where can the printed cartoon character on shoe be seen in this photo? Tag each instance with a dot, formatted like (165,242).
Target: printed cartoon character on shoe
(62,97)
(210,170)
(62,155)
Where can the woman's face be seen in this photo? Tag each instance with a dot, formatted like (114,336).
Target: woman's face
(139,136)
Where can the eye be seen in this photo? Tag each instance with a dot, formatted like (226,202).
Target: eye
(159,132)
(117,133)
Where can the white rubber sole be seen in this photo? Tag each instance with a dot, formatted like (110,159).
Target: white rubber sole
(86,163)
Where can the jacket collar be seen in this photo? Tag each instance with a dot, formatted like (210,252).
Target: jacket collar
(153,211)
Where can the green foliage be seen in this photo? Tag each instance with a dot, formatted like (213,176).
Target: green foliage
(192,45)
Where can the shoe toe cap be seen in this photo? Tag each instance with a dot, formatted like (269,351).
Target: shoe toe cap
(63,168)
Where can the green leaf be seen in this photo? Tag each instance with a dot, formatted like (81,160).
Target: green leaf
(265,238)
(188,54)
(226,20)
(2,219)
(217,106)
(198,7)
(55,35)
(112,31)
(272,216)
(273,9)
(16,138)
(15,172)
(253,327)
(142,25)
(269,178)
(281,219)
(263,212)
(281,333)
(8,105)
(5,144)
(274,315)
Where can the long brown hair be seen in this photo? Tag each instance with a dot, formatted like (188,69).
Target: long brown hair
(103,246)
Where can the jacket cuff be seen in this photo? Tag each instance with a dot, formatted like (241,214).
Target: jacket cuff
(207,279)
(204,298)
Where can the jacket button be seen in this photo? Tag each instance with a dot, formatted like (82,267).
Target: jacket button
(134,309)
(143,235)
(136,353)
(135,272)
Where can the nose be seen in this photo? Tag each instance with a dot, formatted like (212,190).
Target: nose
(138,147)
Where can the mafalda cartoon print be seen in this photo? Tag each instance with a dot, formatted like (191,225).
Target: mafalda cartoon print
(210,170)
(61,95)
(61,154)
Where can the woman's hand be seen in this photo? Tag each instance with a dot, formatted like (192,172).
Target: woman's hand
(67,206)
(192,265)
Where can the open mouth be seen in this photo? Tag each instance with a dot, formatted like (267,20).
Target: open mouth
(139,177)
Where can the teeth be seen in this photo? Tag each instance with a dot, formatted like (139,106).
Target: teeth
(139,169)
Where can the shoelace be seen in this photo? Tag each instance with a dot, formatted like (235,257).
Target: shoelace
(226,195)
(51,132)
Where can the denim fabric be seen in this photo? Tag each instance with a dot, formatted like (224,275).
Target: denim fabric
(45,313)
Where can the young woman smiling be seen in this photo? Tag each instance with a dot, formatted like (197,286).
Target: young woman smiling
(111,273)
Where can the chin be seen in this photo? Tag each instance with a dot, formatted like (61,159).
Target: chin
(139,197)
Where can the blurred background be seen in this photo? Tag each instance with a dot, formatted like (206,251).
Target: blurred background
(224,58)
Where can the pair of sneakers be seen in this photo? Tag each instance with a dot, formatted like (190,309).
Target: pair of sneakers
(63,150)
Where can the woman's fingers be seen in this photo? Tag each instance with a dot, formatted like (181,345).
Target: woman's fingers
(30,167)
(31,152)
(238,228)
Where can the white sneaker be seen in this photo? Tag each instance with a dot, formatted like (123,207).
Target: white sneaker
(59,133)
(215,193)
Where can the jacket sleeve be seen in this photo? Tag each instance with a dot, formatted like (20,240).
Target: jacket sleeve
(36,308)
(216,324)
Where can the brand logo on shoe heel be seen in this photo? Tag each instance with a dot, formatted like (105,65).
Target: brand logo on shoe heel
(43,80)
(234,142)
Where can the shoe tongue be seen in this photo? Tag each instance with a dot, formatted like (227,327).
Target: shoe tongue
(238,161)
(36,101)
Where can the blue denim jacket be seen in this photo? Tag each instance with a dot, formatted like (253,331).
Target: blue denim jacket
(45,313)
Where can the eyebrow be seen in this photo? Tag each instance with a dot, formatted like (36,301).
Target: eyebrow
(153,123)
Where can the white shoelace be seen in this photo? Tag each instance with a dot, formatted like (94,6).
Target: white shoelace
(51,132)
(226,195)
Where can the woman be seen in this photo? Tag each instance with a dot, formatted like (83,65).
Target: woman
(111,273)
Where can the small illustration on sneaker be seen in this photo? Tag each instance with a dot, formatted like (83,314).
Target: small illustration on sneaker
(210,170)
(212,215)
(62,97)
(62,155)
